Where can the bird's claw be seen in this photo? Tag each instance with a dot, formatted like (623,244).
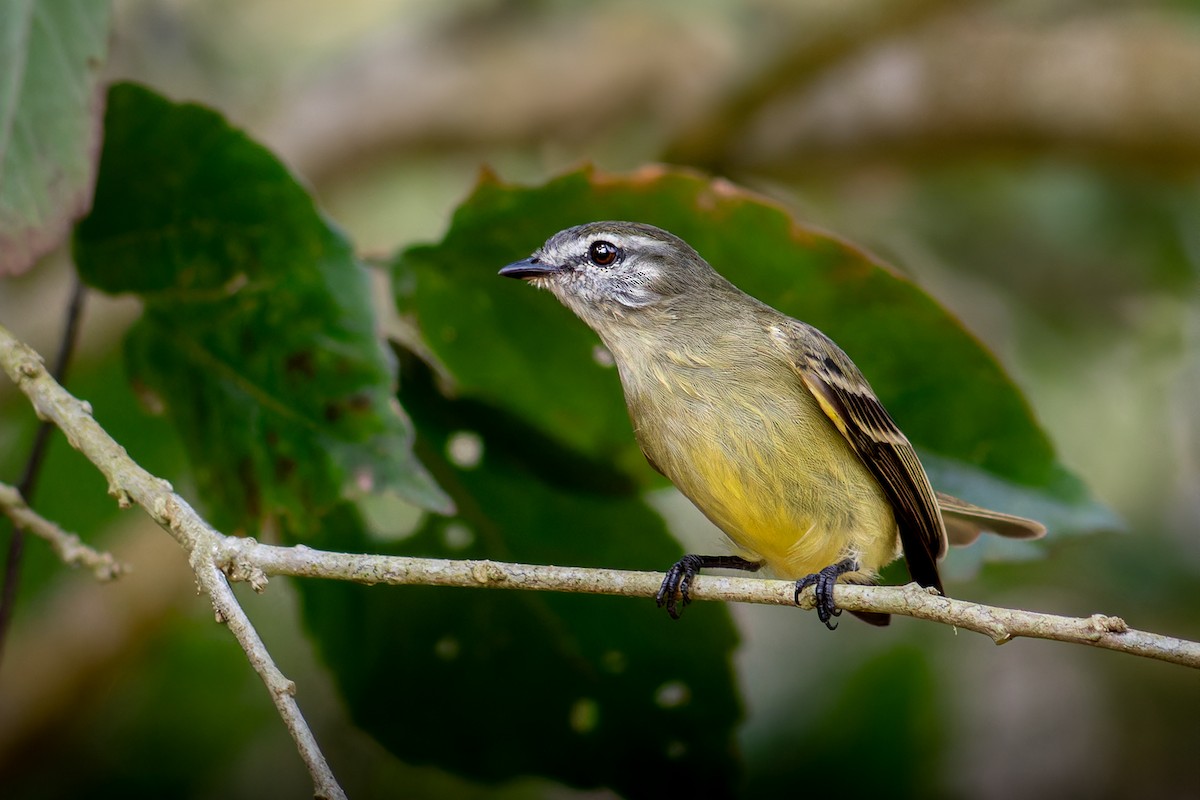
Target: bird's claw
(823,583)
(676,586)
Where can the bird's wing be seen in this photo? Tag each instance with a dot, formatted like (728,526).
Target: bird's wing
(846,398)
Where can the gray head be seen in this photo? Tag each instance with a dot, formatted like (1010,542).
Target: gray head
(611,270)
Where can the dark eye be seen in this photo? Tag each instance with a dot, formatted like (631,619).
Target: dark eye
(603,253)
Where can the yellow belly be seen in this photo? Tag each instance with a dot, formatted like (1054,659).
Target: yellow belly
(774,474)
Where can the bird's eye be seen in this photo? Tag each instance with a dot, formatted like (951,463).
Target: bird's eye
(603,254)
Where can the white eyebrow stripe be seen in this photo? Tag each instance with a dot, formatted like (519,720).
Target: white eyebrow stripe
(645,242)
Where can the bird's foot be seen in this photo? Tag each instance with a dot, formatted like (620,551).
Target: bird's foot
(674,593)
(823,582)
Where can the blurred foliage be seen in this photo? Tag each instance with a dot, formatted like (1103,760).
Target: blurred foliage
(1107,236)
(885,713)
(121,756)
(50,102)
(1071,253)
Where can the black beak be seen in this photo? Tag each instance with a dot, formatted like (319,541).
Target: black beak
(528,268)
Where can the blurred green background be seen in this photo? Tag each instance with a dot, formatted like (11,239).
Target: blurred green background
(1032,165)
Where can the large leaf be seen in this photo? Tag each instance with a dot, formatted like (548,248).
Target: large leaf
(51,102)
(511,345)
(258,335)
(591,691)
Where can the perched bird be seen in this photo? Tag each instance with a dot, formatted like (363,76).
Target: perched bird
(759,419)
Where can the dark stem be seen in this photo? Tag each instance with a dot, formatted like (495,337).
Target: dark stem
(33,465)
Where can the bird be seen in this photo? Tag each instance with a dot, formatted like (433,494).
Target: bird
(759,419)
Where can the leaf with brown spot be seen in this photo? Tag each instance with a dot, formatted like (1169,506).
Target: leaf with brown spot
(258,333)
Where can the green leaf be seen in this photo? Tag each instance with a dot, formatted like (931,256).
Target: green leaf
(51,102)
(258,335)
(503,342)
(591,691)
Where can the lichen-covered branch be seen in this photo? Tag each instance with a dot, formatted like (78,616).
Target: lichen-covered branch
(69,547)
(245,559)
(129,483)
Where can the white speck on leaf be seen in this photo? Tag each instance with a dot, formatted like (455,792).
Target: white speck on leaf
(672,694)
(465,449)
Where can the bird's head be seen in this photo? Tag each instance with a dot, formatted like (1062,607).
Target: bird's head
(609,271)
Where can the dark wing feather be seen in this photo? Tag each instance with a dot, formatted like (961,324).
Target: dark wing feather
(846,397)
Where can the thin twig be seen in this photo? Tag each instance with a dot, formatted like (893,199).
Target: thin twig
(246,559)
(33,464)
(283,690)
(129,483)
(69,547)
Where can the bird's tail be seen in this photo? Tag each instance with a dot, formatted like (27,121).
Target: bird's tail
(964,522)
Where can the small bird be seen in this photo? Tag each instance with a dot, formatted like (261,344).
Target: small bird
(757,418)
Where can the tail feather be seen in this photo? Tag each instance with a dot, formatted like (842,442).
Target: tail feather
(965,521)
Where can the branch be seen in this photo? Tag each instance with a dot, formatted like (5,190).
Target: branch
(246,559)
(69,547)
(129,483)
